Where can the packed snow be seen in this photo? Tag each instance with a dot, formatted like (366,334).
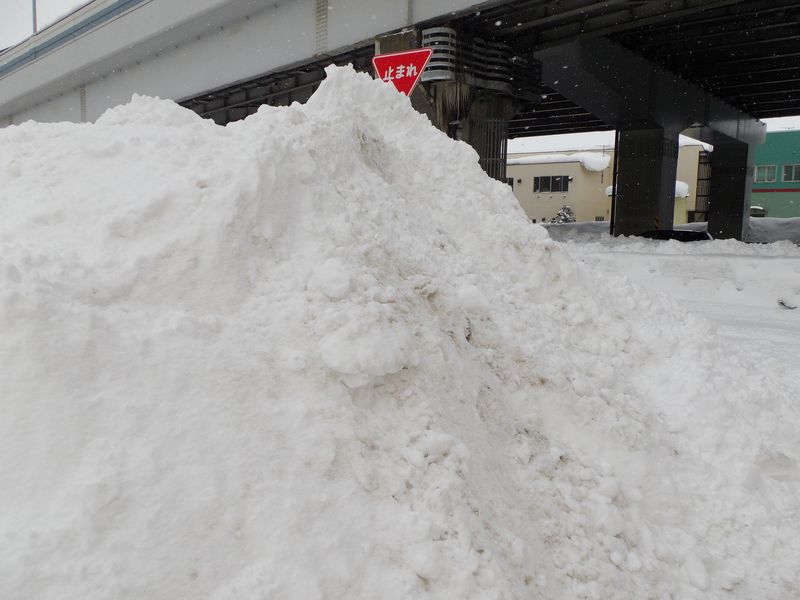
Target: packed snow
(319,354)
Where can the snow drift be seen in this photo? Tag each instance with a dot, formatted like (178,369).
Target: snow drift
(318,354)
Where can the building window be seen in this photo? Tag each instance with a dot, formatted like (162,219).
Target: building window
(550,183)
(766,174)
(791,172)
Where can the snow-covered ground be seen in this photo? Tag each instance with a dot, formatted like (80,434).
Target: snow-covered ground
(319,354)
(750,292)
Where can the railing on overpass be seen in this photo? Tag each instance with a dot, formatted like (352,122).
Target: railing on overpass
(79,22)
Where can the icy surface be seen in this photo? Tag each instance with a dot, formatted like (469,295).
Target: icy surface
(318,354)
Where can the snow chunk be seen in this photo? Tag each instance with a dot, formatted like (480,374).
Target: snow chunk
(361,352)
(681,189)
(332,278)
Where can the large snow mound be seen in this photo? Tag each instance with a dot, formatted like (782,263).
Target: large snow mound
(318,354)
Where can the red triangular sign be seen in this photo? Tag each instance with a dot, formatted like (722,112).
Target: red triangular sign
(403,69)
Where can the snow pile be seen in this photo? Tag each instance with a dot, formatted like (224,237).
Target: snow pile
(770,229)
(591,161)
(318,354)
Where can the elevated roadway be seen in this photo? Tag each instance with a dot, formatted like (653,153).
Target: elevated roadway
(743,51)
(109,49)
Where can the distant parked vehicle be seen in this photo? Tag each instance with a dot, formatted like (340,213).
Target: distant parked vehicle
(758,211)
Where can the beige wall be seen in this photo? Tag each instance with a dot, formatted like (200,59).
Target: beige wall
(688,158)
(586,194)
(587,189)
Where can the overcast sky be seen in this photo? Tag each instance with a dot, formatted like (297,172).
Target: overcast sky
(16,24)
(16,21)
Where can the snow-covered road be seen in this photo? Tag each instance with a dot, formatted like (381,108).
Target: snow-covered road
(736,286)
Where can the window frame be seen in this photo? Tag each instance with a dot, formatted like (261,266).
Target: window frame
(563,184)
(795,173)
(773,180)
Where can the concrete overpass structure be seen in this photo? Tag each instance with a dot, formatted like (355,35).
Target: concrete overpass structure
(513,67)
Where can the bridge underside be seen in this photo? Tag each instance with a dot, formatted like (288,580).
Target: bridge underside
(745,52)
(741,58)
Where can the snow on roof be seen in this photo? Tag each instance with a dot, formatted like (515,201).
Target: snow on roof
(681,189)
(781,124)
(592,140)
(591,161)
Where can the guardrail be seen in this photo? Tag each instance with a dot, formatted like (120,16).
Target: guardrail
(71,27)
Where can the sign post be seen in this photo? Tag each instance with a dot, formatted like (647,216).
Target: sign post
(402,69)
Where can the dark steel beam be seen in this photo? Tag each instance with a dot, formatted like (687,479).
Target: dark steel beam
(561,112)
(747,49)
(599,126)
(765,104)
(263,99)
(737,78)
(765,82)
(647,14)
(734,10)
(665,41)
(545,14)
(556,119)
(786,111)
(777,94)
(789,59)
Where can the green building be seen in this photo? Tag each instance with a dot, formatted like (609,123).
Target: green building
(776,181)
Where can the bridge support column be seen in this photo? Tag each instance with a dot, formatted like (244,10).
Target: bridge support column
(731,180)
(469,89)
(645,194)
(637,96)
(486,131)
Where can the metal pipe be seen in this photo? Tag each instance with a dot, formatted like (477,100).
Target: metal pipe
(35,21)
(614,178)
